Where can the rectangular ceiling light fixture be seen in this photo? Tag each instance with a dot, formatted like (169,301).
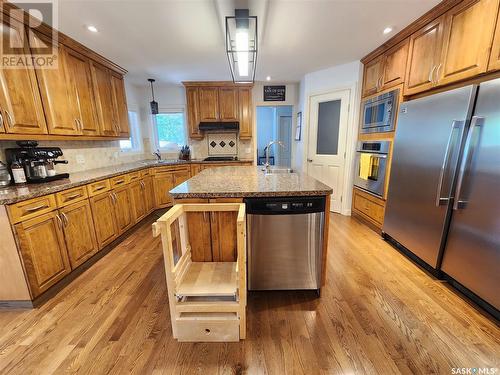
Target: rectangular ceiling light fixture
(241,45)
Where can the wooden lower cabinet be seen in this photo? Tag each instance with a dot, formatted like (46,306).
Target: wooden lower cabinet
(103,213)
(43,251)
(178,177)
(138,197)
(163,183)
(368,207)
(149,194)
(122,206)
(79,233)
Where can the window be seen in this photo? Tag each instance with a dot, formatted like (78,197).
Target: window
(170,131)
(133,144)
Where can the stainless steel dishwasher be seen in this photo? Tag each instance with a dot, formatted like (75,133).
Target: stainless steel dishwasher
(285,242)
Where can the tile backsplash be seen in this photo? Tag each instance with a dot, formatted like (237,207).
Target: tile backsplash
(84,155)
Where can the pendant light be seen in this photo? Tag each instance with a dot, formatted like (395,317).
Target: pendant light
(153,104)
(241,45)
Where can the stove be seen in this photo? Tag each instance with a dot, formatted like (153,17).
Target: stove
(221,158)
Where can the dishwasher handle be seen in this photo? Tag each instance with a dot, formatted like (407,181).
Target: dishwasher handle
(285,205)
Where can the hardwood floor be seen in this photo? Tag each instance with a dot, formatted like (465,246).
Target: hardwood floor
(378,314)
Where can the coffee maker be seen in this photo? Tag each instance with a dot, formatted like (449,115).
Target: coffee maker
(38,162)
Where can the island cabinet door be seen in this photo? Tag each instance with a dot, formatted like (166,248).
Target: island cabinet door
(43,251)
(138,197)
(79,232)
(103,213)
(199,233)
(223,232)
(123,208)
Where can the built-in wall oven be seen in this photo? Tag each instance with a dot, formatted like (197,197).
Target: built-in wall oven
(371,166)
(379,113)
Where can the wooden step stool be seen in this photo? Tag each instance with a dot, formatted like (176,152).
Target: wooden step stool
(207,299)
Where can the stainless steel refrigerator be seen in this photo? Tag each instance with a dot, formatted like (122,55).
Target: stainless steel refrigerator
(443,205)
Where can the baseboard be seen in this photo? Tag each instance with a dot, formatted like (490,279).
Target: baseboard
(16,304)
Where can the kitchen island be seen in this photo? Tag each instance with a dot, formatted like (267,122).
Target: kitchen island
(236,184)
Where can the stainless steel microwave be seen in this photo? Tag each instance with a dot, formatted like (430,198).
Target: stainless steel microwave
(379,113)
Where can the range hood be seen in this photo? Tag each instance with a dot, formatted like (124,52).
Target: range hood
(219,126)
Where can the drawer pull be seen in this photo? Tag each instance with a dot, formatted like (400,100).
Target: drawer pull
(117,182)
(97,188)
(73,196)
(33,209)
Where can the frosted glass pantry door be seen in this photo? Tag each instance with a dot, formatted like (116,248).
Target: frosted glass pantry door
(327,141)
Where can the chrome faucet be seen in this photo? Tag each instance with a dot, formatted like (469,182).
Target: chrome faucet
(157,154)
(266,150)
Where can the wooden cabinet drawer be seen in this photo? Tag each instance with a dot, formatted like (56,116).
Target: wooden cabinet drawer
(31,208)
(118,181)
(368,206)
(133,176)
(169,169)
(98,187)
(208,327)
(63,198)
(145,173)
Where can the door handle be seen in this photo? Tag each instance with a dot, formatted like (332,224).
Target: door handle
(431,74)
(65,219)
(444,167)
(470,145)
(10,122)
(1,119)
(309,160)
(59,220)
(436,79)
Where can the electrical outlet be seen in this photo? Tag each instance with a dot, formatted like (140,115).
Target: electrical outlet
(80,159)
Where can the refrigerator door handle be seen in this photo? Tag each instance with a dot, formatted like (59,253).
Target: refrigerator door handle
(455,125)
(476,124)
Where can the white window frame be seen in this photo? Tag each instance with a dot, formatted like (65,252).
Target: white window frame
(135,134)
(156,143)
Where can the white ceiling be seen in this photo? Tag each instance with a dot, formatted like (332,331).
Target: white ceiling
(176,40)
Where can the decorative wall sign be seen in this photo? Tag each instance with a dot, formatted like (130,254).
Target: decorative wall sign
(298,129)
(274,93)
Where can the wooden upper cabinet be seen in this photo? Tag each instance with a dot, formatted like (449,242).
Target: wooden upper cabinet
(79,233)
(20,103)
(81,75)
(467,38)
(228,104)
(103,91)
(120,105)
(494,62)
(394,66)
(43,251)
(56,88)
(192,112)
(208,101)
(372,76)
(246,111)
(424,57)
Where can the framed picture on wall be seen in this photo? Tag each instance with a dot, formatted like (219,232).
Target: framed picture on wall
(298,129)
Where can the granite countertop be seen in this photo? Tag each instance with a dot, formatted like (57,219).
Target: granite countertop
(248,181)
(17,193)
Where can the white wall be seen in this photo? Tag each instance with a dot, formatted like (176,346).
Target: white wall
(346,76)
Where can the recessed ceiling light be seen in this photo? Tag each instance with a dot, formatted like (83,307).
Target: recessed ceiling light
(268,78)
(387,30)
(92,28)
